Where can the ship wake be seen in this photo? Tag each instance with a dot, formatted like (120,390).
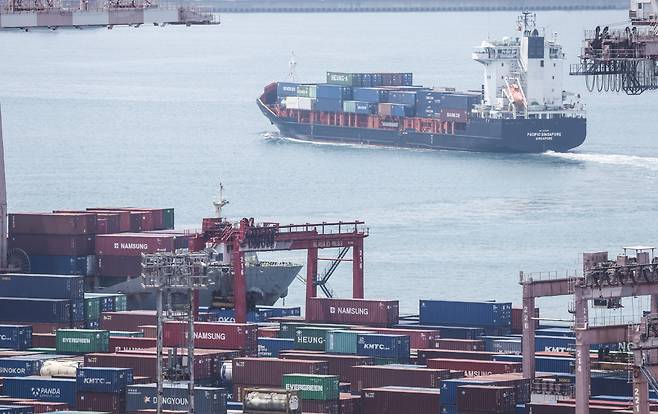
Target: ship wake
(650,163)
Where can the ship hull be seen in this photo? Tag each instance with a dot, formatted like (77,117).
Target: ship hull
(479,134)
(265,285)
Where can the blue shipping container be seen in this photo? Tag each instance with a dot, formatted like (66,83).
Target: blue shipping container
(278,312)
(16,409)
(78,310)
(35,310)
(15,285)
(107,380)
(41,389)
(328,105)
(330,91)
(401,110)
(365,108)
(449,390)
(543,364)
(228,315)
(19,367)
(286,89)
(271,347)
(373,95)
(59,265)
(395,347)
(404,98)
(554,343)
(18,337)
(482,314)
(206,400)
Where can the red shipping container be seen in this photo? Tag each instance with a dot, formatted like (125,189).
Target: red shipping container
(144,364)
(68,224)
(126,343)
(124,217)
(46,328)
(134,244)
(42,406)
(127,320)
(522,386)
(266,332)
(460,344)
(349,404)
(425,354)
(420,338)
(212,358)
(214,335)
(113,266)
(407,376)
(517,320)
(269,371)
(489,398)
(353,311)
(53,244)
(43,340)
(390,400)
(474,368)
(340,365)
(150,331)
(318,406)
(114,403)
(141,221)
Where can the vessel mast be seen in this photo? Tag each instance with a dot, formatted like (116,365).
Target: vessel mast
(220,202)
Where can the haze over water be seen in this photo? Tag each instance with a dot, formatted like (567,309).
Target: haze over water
(157,116)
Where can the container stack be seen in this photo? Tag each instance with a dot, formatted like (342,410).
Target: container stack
(387,95)
(82,242)
(102,389)
(47,302)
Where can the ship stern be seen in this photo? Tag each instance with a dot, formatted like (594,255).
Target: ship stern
(541,135)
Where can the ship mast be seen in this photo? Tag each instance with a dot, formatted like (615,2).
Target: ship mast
(219,202)
(527,21)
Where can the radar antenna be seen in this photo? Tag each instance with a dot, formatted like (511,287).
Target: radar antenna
(526,22)
(292,68)
(220,202)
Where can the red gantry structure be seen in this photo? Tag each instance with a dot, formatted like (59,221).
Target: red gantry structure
(249,237)
(625,277)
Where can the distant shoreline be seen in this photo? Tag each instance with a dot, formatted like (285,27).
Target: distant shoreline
(360,6)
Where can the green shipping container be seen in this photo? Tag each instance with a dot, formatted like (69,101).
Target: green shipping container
(43,350)
(168,218)
(340,78)
(342,342)
(92,308)
(311,337)
(287,329)
(307,91)
(82,341)
(312,387)
(130,334)
(386,361)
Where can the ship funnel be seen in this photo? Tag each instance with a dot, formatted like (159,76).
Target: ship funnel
(3,203)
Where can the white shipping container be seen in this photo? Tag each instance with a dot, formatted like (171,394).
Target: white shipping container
(296,102)
(19,20)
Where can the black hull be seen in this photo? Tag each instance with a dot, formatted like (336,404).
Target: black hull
(479,135)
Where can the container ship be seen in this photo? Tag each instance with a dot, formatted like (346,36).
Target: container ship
(521,108)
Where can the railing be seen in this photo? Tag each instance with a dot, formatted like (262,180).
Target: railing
(348,227)
(526,277)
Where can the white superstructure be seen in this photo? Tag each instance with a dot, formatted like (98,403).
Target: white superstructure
(523,75)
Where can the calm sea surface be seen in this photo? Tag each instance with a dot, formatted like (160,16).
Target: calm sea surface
(158,116)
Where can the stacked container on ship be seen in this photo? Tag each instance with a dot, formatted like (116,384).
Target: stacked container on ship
(521,108)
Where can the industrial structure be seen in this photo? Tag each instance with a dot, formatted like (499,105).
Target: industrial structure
(630,275)
(175,279)
(622,58)
(51,14)
(235,240)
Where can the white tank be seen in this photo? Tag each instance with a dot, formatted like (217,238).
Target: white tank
(60,368)
(226,373)
(271,400)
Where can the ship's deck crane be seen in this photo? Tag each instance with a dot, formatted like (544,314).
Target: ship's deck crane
(246,237)
(623,58)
